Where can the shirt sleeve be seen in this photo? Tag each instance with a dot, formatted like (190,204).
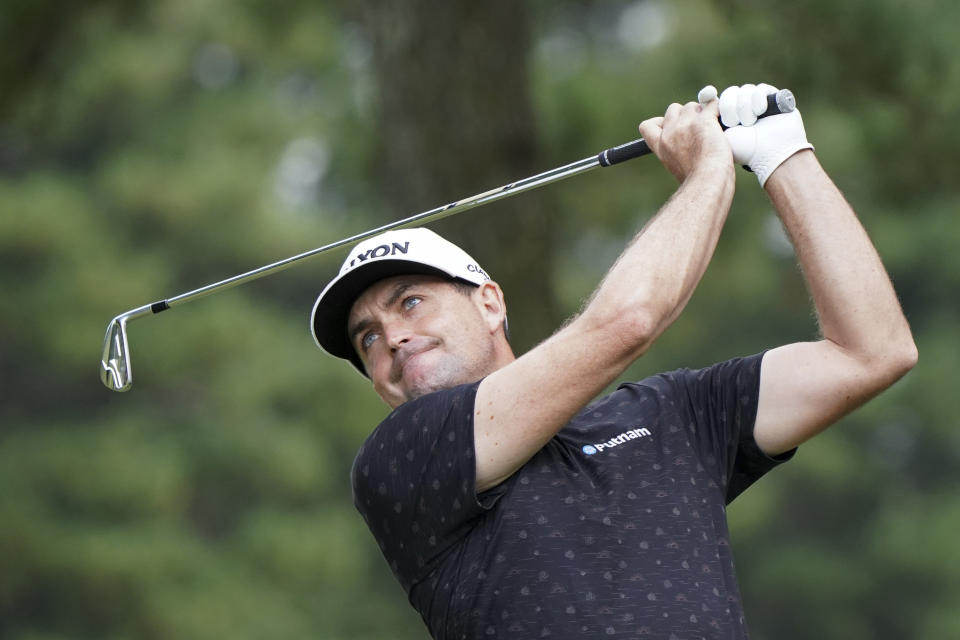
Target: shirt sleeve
(722,401)
(414,481)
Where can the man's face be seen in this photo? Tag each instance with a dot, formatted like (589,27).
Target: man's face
(417,334)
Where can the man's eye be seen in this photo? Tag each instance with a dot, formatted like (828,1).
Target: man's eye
(367,340)
(411,302)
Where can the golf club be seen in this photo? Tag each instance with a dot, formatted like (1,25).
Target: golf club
(116,370)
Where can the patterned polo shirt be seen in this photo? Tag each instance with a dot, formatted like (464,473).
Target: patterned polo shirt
(615,528)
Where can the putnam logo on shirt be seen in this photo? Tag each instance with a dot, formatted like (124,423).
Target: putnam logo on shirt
(615,441)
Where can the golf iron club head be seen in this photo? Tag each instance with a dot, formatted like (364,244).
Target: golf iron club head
(115,371)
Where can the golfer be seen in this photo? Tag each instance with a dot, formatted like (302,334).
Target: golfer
(509,506)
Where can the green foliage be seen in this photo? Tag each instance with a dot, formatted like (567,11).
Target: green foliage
(149,148)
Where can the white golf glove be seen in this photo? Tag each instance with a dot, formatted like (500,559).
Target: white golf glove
(761,145)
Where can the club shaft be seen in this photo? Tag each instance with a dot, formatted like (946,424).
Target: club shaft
(510,189)
(779,102)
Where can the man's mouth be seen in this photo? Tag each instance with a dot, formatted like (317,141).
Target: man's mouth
(404,356)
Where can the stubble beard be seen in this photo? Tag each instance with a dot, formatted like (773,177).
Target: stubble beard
(449,371)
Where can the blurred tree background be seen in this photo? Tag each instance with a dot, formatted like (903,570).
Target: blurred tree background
(148,148)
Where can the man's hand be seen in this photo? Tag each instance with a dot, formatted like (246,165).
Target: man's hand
(762,145)
(688,138)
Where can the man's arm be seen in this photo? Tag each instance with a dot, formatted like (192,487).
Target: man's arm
(521,406)
(866,345)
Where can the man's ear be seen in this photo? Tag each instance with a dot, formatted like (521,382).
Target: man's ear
(492,305)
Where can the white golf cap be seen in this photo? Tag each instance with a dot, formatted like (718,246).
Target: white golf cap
(394,253)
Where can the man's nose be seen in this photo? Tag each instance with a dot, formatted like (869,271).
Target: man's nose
(397,335)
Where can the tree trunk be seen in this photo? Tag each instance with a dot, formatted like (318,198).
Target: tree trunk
(456,119)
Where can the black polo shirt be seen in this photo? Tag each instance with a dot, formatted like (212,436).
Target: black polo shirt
(615,528)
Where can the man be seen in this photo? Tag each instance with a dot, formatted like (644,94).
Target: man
(505,505)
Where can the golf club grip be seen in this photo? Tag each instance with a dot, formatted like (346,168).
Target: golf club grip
(623,152)
(780,102)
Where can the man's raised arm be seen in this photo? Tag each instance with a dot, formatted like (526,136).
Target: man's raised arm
(521,406)
(866,342)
